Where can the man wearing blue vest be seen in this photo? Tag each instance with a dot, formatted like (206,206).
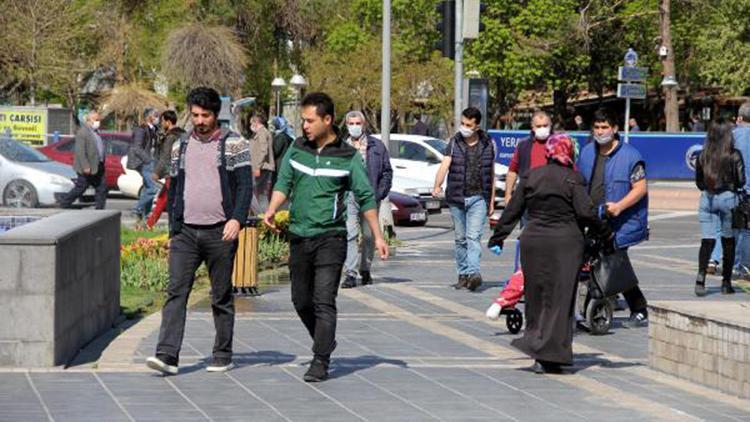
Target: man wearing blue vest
(616,178)
(469,163)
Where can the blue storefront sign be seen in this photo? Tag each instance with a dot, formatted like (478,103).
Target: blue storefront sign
(667,155)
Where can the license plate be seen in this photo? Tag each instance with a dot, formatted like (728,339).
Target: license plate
(432,205)
(417,216)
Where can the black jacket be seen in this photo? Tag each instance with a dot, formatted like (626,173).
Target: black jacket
(731,178)
(142,147)
(165,151)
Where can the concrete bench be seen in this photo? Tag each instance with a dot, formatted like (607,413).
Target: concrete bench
(59,285)
(707,342)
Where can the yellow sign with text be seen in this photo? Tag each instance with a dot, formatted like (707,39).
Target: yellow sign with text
(24,124)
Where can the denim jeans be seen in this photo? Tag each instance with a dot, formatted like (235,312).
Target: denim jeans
(715,210)
(149,191)
(315,271)
(359,255)
(468,223)
(187,250)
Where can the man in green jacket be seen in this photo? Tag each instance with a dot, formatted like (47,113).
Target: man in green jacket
(315,175)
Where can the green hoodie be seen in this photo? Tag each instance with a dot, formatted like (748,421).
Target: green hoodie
(316,184)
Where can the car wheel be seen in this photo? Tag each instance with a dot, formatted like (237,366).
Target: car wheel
(20,194)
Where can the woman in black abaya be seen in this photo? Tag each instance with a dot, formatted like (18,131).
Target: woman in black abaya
(557,207)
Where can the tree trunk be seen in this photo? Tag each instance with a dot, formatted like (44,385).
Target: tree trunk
(670,92)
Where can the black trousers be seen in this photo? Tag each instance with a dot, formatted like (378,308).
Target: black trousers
(187,250)
(82,183)
(635,299)
(315,270)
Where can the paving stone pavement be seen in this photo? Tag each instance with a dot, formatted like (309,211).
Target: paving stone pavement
(410,349)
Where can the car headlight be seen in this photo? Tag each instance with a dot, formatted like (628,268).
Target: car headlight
(393,207)
(59,181)
(411,191)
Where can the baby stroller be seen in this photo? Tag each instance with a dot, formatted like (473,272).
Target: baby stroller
(595,300)
(505,304)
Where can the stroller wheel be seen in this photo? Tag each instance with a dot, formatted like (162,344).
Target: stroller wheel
(514,321)
(599,316)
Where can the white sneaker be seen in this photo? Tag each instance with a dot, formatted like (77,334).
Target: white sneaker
(220,365)
(158,365)
(493,312)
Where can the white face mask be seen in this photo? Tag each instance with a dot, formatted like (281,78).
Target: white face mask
(355,131)
(542,133)
(465,131)
(604,139)
(95,124)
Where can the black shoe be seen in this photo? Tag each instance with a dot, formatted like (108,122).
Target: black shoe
(318,370)
(637,319)
(220,365)
(726,288)
(366,278)
(165,364)
(349,282)
(475,280)
(700,285)
(463,279)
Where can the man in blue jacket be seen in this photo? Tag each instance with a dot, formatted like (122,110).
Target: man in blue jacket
(616,178)
(379,172)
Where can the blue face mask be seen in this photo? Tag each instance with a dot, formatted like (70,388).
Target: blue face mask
(355,131)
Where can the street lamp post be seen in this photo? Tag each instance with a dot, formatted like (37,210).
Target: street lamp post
(278,84)
(299,83)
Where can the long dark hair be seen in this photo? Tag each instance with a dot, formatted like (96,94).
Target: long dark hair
(717,152)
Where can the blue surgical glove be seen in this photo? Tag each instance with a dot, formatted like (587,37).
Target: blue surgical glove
(497,250)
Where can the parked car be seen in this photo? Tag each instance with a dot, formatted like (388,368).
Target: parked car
(116,145)
(419,157)
(406,210)
(419,189)
(29,179)
(130,182)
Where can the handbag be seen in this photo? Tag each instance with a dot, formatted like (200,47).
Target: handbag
(613,272)
(741,213)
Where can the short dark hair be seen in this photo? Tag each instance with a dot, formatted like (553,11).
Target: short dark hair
(473,113)
(206,98)
(322,102)
(148,111)
(170,116)
(604,115)
(259,117)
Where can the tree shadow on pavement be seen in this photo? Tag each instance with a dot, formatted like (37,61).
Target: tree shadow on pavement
(341,367)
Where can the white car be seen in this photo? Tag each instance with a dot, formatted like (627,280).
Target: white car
(419,157)
(130,182)
(418,189)
(28,179)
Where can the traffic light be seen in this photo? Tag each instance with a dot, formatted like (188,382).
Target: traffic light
(446,26)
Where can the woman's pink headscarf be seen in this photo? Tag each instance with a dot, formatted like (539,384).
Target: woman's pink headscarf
(561,148)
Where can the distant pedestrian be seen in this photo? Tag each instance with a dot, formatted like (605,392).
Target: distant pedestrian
(741,135)
(554,198)
(142,158)
(316,173)
(615,174)
(167,141)
(360,254)
(469,163)
(580,125)
(209,197)
(261,147)
(697,124)
(720,175)
(633,125)
(88,163)
(419,128)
